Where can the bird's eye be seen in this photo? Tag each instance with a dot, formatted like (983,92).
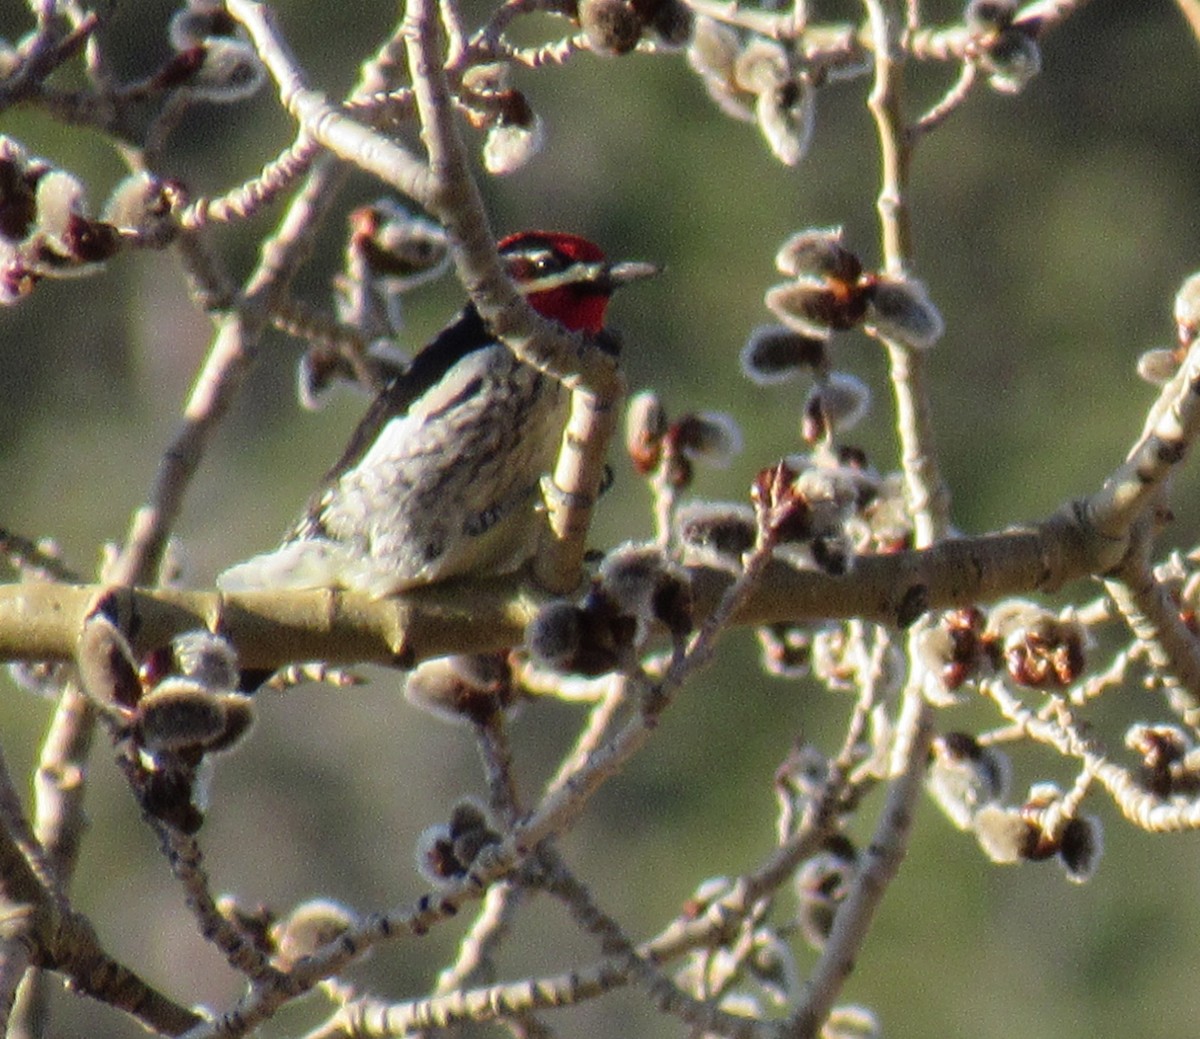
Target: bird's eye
(543,262)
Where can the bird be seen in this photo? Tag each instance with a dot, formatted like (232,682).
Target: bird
(442,476)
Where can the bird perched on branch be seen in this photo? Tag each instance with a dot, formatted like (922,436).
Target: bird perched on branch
(441,477)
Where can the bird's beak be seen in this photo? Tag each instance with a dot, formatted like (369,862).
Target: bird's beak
(601,277)
(616,274)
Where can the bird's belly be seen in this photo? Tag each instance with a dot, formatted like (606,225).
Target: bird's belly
(452,492)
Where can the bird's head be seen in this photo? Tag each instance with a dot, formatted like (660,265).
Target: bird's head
(567,278)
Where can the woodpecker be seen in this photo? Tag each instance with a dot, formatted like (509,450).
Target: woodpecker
(441,477)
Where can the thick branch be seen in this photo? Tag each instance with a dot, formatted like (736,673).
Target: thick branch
(42,621)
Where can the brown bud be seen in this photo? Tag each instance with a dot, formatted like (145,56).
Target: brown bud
(900,309)
(178,714)
(612,27)
(711,437)
(776,353)
(815,308)
(1011,59)
(717,533)
(640,581)
(105,661)
(1080,847)
(821,254)
(986,17)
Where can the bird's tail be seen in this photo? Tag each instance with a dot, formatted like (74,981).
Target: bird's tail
(298,564)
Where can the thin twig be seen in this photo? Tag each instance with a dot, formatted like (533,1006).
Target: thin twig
(1153,618)
(948,104)
(928,495)
(244,201)
(877,869)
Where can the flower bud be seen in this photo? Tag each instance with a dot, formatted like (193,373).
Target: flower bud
(88,243)
(554,635)
(640,581)
(775,354)
(836,403)
(612,27)
(645,427)
(772,967)
(832,493)
(1167,765)
(713,54)
(229,71)
(786,115)
(67,243)
(43,678)
(985,17)
(178,715)
(900,309)
(1011,60)
(446,852)
(19,176)
(198,20)
(105,660)
(1004,834)
(709,891)
(459,689)
(1187,310)
(716,533)
(851,1022)
(510,145)
(785,650)
(1080,847)
(955,649)
(819,253)
(815,308)
(964,776)
(309,928)
(591,639)
(822,884)
(712,437)
(761,66)
(398,245)
(780,511)
(515,135)
(207,658)
(1040,650)
(319,369)
(141,204)
(1159,366)
(59,198)
(803,776)
(672,21)
(239,718)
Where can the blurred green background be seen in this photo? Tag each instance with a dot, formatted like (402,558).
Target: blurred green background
(1052,228)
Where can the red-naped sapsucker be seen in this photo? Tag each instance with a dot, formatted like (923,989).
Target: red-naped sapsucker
(441,477)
